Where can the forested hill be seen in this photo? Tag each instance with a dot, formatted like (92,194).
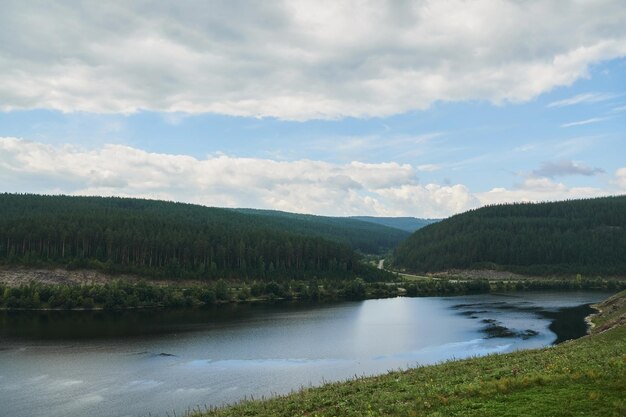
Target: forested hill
(408,224)
(162,239)
(366,237)
(570,237)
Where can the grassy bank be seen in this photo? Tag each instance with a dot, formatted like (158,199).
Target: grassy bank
(581,377)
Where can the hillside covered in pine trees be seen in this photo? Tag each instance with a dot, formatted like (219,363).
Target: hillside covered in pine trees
(361,235)
(569,237)
(164,239)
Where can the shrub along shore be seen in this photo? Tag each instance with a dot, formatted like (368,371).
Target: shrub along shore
(123,294)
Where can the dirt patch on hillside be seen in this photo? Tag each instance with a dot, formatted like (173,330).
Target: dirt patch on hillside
(489,274)
(17,276)
(55,276)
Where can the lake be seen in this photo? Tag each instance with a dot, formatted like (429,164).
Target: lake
(133,363)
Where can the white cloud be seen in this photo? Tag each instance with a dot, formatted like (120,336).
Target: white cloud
(433,200)
(306,186)
(428,167)
(427,137)
(297,59)
(538,190)
(583,98)
(620,178)
(525,148)
(539,185)
(586,121)
(563,168)
(220,180)
(577,145)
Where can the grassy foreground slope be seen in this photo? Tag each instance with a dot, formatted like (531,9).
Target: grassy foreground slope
(584,377)
(570,237)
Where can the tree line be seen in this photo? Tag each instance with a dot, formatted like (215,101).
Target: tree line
(120,294)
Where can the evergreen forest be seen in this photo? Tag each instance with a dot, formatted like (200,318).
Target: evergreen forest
(568,237)
(165,240)
(362,235)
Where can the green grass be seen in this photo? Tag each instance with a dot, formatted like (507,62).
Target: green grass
(585,377)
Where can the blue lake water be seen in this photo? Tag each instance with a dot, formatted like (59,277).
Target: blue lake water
(136,363)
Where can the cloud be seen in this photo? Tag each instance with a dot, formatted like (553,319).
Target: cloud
(562,168)
(539,185)
(525,148)
(583,98)
(577,145)
(427,137)
(620,178)
(538,190)
(433,199)
(586,121)
(428,167)
(307,186)
(362,147)
(296,60)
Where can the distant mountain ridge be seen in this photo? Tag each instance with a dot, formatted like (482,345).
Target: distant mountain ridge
(408,224)
(567,237)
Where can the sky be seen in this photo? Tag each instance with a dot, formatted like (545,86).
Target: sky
(399,108)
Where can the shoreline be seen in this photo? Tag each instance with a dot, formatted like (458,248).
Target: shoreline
(24,289)
(278,300)
(527,382)
(589,319)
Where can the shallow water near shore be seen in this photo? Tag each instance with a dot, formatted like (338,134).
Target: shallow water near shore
(135,363)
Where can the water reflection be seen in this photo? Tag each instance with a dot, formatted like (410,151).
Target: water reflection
(139,362)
